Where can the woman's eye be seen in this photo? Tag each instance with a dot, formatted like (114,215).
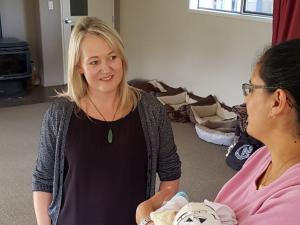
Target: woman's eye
(93,63)
(113,57)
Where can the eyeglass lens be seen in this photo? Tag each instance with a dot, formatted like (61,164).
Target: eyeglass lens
(246,89)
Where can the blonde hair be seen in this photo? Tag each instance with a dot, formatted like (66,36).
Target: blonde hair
(77,85)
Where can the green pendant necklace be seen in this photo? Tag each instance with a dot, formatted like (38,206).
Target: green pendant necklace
(110,131)
(110,136)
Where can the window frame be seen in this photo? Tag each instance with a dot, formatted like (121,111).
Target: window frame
(242,14)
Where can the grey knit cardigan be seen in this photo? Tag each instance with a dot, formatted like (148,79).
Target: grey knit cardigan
(49,170)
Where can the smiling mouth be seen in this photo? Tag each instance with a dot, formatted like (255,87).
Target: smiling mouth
(106,78)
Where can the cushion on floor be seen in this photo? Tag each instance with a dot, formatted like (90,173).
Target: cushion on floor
(143,85)
(214,136)
(214,123)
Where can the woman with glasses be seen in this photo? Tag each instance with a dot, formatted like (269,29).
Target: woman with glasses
(267,189)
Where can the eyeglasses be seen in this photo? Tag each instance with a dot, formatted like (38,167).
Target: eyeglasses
(249,88)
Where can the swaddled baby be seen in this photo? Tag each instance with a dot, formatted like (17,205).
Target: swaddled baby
(178,211)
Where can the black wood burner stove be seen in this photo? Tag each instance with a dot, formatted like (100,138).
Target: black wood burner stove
(15,66)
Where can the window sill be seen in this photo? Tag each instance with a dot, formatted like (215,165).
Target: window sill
(233,15)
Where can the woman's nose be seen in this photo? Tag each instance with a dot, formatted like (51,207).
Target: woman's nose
(104,67)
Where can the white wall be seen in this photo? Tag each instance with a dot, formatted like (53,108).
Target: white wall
(204,53)
(13,18)
(18,20)
(51,43)
(30,20)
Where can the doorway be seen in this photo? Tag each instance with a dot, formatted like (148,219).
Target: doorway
(71,10)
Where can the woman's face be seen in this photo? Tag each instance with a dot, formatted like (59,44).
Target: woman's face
(258,104)
(101,66)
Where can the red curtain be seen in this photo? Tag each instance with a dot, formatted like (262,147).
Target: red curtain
(286,20)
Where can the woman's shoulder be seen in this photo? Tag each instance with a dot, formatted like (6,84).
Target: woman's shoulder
(150,101)
(261,155)
(151,109)
(59,106)
(262,152)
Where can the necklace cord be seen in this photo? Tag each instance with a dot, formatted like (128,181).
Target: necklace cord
(110,131)
(101,113)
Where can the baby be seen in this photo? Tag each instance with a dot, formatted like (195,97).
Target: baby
(178,211)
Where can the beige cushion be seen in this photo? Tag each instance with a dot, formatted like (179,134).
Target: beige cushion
(224,113)
(204,111)
(173,99)
(176,107)
(190,100)
(156,84)
(221,125)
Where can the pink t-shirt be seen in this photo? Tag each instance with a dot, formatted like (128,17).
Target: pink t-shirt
(275,204)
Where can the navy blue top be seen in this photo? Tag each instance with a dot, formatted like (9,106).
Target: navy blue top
(103,182)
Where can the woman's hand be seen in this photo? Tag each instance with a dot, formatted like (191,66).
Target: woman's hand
(145,208)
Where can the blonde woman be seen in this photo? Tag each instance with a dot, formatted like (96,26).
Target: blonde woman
(102,142)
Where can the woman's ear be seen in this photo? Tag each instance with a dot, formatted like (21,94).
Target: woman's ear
(280,103)
(79,69)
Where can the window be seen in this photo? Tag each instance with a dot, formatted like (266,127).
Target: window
(248,7)
(220,5)
(260,7)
